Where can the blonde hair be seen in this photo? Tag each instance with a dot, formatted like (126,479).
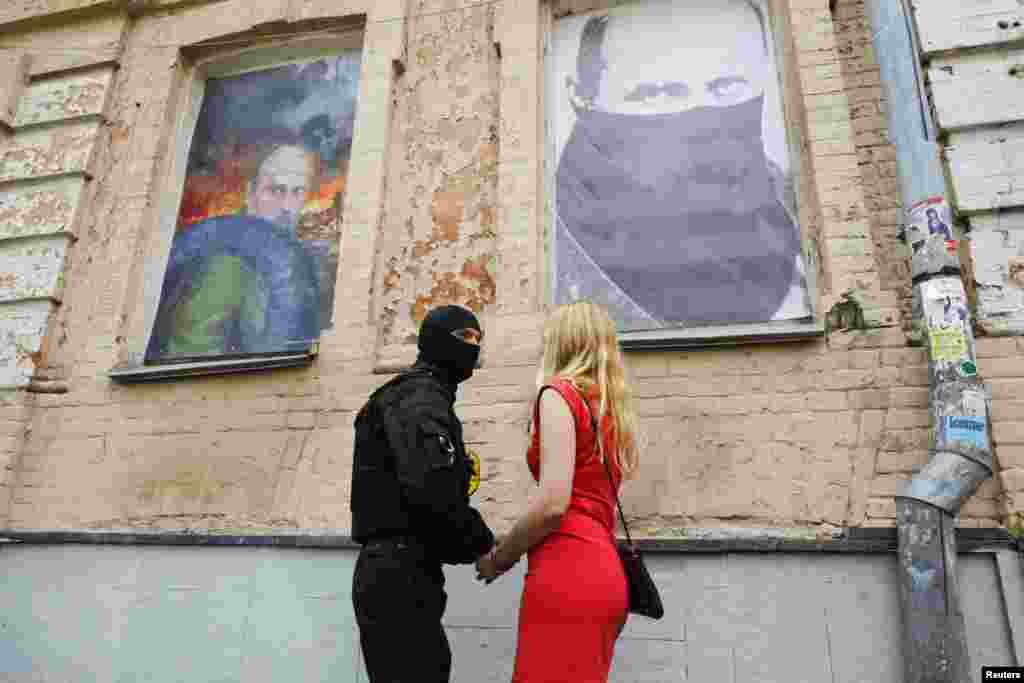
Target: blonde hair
(580,344)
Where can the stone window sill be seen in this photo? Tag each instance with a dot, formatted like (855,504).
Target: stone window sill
(134,374)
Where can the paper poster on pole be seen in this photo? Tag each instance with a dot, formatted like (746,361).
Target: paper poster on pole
(929,217)
(945,302)
(968,428)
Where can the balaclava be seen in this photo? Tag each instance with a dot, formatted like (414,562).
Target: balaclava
(680,211)
(439,347)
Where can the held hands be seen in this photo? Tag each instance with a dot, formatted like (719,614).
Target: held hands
(488,568)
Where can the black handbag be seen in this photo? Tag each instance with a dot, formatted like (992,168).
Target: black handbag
(644,598)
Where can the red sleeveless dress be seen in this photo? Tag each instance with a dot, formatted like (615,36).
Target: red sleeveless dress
(575,596)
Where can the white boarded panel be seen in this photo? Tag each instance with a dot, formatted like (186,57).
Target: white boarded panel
(953,24)
(39,208)
(976,89)
(54,99)
(987,167)
(48,151)
(997,252)
(22,326)
(33,268)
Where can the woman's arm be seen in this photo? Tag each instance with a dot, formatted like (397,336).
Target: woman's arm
(557,463)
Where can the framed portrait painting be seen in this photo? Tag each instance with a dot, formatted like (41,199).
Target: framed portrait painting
(254,256)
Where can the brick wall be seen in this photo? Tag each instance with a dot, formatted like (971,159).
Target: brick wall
(14,419)
(816,434)
(875,153)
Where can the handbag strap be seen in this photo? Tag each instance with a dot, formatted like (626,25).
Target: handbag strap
(597,443)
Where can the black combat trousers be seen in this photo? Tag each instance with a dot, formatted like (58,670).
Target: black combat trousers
(399,599)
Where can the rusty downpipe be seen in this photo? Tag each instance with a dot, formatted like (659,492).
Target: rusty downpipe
(934,638)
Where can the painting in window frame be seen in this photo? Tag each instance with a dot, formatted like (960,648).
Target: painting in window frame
(672,177)
(253,261)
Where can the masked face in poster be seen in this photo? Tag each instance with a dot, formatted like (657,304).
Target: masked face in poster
(664,181)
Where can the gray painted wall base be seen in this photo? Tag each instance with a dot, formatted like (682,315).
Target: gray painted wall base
(99,613)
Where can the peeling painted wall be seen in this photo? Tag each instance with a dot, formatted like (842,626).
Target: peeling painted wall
(952,25)
(21,335)
(46,152)
(997,249)
(13,78)
(78,42)
(31,269)
(64,97)
(39,208)
(44,164)
(445,154)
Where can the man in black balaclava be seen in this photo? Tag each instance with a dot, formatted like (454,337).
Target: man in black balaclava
(668,210)
(410,505)
(447,341)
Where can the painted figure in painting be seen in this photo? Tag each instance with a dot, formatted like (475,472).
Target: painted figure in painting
(668,209)
(244,284)
(278,191)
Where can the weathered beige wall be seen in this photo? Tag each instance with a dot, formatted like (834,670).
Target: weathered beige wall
(875,154)
(447,206)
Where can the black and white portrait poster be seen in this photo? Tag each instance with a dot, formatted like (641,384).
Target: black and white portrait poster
(673,192)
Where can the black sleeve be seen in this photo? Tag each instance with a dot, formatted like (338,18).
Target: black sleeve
(433,485)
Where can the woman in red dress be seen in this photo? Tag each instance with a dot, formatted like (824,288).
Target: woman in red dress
(575,598)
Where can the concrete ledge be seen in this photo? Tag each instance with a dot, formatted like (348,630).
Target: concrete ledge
(82,537)
(850,541)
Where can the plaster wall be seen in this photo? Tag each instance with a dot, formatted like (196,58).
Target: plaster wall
(266,614)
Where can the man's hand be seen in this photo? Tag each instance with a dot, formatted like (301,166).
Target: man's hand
(487,566)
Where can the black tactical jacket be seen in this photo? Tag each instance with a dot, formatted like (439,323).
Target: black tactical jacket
(410,472)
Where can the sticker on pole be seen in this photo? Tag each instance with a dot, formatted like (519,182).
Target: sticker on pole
(948,344)
(967,369)
(973,403)
(927,218)
(967,428)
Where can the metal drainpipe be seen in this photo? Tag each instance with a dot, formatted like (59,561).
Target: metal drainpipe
(935,646)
